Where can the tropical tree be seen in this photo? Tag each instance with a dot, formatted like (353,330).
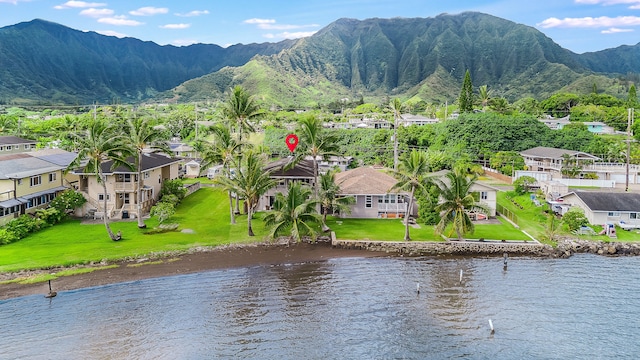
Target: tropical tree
(294,213)
(410,177)
(330,199)
(465,99)
(223,150)
(249,181)
(484,95)
(141,137)
(457,199)
(396,107)
(101,143)
(240,109)
(315,143)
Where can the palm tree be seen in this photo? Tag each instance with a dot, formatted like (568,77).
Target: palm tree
(484,95)
(101,143)
(294,213)
(141,138)
(410,177)
(239,109)
(249,181)
(315,143)
(396,107)
(224,150)
(456,200)
(330,199)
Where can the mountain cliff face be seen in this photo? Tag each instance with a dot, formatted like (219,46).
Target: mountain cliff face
(45,61)
(425,57)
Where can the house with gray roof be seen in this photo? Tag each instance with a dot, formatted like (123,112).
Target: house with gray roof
(285,172)
(30,180)
(14,144)
(373,194)
(606,207)
(122,186)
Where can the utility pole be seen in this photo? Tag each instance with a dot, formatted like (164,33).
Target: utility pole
(630,116)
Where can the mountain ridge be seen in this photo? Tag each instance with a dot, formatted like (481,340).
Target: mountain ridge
(408,57)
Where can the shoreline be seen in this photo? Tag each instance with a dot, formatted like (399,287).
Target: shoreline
(193,261)
(264,254)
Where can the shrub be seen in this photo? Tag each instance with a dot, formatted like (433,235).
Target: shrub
(574,219)
(173,187)
(24,225)
(7,237)
(163,210)
(50,215)
(67,200)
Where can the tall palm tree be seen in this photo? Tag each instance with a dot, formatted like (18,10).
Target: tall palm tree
(223,150)
(484,95)
(330,199)
(410,177)
(456,200)
(101,143)
(249,181)
(294,213)
(315,143)
(240,109)
(396,107)
(141,137)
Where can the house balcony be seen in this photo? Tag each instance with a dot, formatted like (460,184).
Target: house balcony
(611,167)
(125,187)
(545,166)
(392,207)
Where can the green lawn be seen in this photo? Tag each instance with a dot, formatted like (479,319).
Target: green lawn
(206,212)
(393,230)
(531,218)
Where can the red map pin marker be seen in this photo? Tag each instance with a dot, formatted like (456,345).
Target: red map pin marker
(292,142)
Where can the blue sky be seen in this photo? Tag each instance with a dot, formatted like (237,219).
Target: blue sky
(578,25)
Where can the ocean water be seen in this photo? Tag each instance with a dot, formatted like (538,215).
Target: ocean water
(584,307)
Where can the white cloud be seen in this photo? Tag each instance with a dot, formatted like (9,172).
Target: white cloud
(149,11)
(270,24)
(93,12)
(615,31)
(14,2)
(184,42)
(193,13)
(607,2)
(111,33)
(119,21)
(175,26)
(259,21)
(78,4)
(590,22)
(289,35)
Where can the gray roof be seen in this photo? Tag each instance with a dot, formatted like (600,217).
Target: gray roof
(553,153)
(278,168)
(21,165)
(55,156)
(14,140)
(149,161)
(609,201)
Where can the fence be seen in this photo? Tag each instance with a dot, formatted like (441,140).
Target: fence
(507,213)
(496,175)
(191,188)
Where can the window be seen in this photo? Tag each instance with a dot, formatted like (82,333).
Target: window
(146,175)
(613,214)
(634,216)
(52,177)
(27,146)
(368,201)
(19,181)
(484,195)
(101,197)
(36,180)
(8,148)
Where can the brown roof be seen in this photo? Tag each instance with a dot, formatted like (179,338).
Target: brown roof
(365,181)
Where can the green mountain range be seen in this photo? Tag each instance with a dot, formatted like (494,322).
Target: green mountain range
(375,58)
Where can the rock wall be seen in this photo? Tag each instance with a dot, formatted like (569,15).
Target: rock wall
(565,248)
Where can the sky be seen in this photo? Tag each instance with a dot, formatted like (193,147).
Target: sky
(577,25)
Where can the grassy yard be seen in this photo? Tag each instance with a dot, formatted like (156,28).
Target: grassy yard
(206,212)
(393,230)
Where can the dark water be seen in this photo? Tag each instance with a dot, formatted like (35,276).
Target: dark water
(585,307)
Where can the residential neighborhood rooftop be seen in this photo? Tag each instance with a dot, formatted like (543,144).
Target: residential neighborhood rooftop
(364,180)
(609,201)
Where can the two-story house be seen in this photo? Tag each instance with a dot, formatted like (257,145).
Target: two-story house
(14,144)
(30,180)
(122,186)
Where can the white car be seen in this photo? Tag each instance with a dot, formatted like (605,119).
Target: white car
(628,227)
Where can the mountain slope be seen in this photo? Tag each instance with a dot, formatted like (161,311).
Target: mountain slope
(383,57)
(41,60)
(623,59)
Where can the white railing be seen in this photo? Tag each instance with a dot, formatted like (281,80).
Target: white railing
(125,186)
(605,166)
(397,207)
